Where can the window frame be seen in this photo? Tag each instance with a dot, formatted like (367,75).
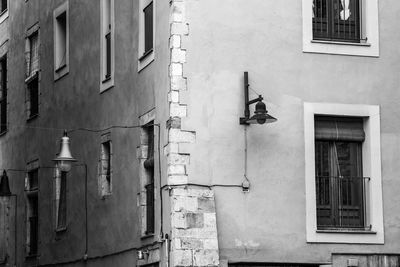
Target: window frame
(102,178)
(371,164)
(31,192)
(3,97)
(4,13)
(145,57)
(32,76)
(60,71)
(369,35)
(60,181)
(107,82)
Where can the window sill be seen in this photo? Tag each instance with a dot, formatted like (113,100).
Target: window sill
(61,230)
(31,77)
(3,133)
(347,231)
(340,43)
(61,67)
(145,54)
(147,236)
(3,15)
(31,256)
(145,60)
(33,117)
(106,79)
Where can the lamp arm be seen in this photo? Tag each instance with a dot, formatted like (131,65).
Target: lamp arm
(259,98)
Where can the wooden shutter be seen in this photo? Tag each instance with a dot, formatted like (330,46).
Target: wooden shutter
(339,128)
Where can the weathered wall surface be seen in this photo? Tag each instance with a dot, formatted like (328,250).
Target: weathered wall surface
(75,101)
(265,39)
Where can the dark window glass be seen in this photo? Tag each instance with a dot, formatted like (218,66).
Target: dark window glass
(108,55)
(33,91)
(148,28)
(336,20)
(61,42)
(3,6)
(33,177)
(33,224)
(340,185)
(149,166)
(3,95)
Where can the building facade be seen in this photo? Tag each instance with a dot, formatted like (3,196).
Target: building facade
(151,93)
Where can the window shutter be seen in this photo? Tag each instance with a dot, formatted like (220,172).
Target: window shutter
(34,57)
(339,128)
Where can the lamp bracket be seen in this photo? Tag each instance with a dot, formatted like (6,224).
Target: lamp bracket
(247,102)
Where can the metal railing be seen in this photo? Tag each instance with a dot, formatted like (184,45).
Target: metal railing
(341,202)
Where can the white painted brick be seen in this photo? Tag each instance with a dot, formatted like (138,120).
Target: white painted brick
(179,28)
(178,55)
(176,170)
(176,69)
(177,179)
(178,136)
(175,41)
(173,96)
(171,148)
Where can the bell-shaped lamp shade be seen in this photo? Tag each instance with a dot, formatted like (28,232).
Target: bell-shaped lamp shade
(261,115)
(4,185)
(64,159)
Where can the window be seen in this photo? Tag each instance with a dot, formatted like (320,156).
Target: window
(3,10)
(149,187)
(146,33)
(32,211)
(105,185)
(32,75)
(340,186)
(337,20)
(3,95)
(343,173)
(346,27)
(60,199)
(107,44)
(61,41)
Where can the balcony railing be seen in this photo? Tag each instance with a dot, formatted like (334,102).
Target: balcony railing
(341,202)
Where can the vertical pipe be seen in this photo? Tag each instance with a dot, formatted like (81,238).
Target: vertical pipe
(86,213)
(246,95)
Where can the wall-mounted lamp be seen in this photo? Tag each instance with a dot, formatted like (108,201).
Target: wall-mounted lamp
(64,159)
(4,185)
(261,115)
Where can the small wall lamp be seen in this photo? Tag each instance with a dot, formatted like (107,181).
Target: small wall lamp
(261,115)
(64,159)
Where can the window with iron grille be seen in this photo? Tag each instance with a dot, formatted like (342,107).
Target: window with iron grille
(3,95)
(337,20)
(3,6)
(105,169)
(32,75)
(32,212)
(340,185)
(149,187)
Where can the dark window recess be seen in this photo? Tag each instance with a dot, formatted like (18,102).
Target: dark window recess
(3,6)
(33,91)
(108,55)
(148,28)
(33,179)
(33,226)
(61,43)
(3,95)
(62,204)
(337,20)
(340,186)
(149,166)
(107,159)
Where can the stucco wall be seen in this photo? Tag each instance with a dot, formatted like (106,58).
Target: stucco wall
(265,38)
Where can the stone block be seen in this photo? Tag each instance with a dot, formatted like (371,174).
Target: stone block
(178,83)
(178,55)
(205,258)
(194,220)
(174,122)
(176,169)
(176,110)
(179,220)
(178,12)
(211,243)
(173,96)
(183,159)
(195,233)
(210,220)
(179,28)
(185,204)
(177,179)
(171,148)
(176,69)
(191,243)
(206,204)
(179,136)
(181,258)
(175,41)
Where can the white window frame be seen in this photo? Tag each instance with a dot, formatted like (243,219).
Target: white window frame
(106,83)
(144,61)
(371,153)
(60,71)
(4,15)
(370,32)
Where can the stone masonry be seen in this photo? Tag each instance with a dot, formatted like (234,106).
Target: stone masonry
(194,239)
